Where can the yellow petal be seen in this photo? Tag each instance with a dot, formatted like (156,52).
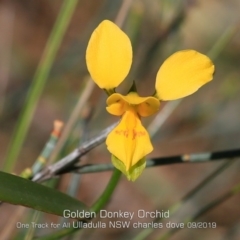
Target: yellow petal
(109,55)
(117,108)
(182,74)
(129,141)
(148,107)
(116,104)
(145,106)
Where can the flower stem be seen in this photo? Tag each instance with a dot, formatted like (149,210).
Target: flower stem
(107,192)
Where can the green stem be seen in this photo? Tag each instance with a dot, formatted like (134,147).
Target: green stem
(97,206)
(224,39)
(38,83)
(30,232)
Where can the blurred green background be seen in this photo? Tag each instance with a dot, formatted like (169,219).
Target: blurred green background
(208,120)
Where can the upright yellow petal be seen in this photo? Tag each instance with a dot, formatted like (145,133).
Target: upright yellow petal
(182,74)
(109,55)
(129,141)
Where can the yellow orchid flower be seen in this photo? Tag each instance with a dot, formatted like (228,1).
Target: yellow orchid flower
(109,58)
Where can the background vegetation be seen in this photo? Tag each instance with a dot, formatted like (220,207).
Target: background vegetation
(204,122)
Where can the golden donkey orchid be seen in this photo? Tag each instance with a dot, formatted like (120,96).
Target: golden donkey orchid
(109,58)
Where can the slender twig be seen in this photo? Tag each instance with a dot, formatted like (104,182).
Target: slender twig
(162,116)
(73,157)
(233,191)
(186,158)
(66,164)
(121,16)
(42,159)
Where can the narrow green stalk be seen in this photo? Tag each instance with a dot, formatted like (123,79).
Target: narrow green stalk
(97,206)
(30,232)
(46,152)
(38,83)
(222,42)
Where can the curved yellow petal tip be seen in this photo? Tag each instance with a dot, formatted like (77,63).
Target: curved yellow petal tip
(117,108)
(144,106)
(182,74)
(108,55)
(129,141)
(134,172)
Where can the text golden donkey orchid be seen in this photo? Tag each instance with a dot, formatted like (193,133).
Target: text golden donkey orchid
(109,58)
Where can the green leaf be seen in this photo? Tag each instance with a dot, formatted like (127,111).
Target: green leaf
(20,191)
